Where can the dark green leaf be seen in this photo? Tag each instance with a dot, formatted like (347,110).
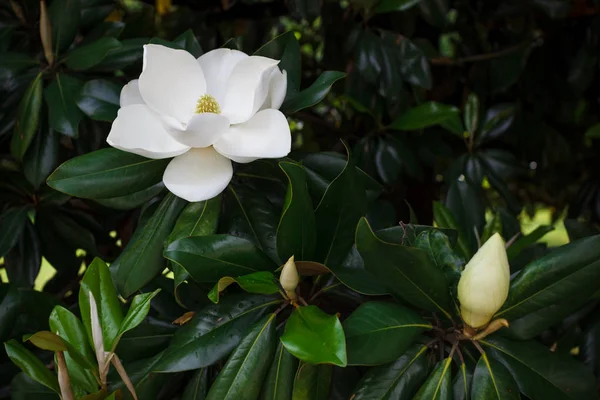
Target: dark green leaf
(31,365)
(99,100)
(242,375)
(466,206)
(569,271)
(279,382)
(437,245)
(27,119)
(130,52)
(413,63)
(438,385)
(540,373)
(506,70)
(262,282)
(337,214)
(312,382)
(285,47)
(88,56)
(42,157)
(462,383)
(554,8)
(22,387)
(23,261)
(313,94)
(315,337)
(197,219)
(523,242)
(64,18)
(187,40)
(140,306)
(406,271)
(134,200)
(214,332)
(424,115)
(197,387)
(472,113)
(395,5)
(209,258)
(491,380)
(377,333)
(107,173)
(593,132)
(12,223)
(63,114)
(97,280)
(142,259)
(352,273)
(296,230)
(498,120)
(396,381)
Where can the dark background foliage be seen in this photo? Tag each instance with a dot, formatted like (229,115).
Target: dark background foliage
(484,105)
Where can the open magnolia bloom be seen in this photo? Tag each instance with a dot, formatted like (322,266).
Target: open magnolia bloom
(222,107)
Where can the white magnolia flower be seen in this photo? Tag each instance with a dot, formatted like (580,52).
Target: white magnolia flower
(206,113)
(483,285)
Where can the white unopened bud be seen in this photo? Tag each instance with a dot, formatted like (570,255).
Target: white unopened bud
(483,286)
(289,278)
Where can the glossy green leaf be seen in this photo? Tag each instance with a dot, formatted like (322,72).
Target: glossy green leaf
(22,263)
(342,205)
(12,223)
(10,307)
(593,132)
(31,365)
(352,273)
(312,382)
(187,41)
(406,271)
(107,173)
(285,47)
(424,115)
(63,114)
(445,219)
(142,258)
(463,200)
(98,281)
(251,216)
(398,380)
(140,306)
(385,6)
(65,324)
(471,115)
(296,235)
(315,337)
(197,386)
(209,258)
(214,332)
(407,234)
(438,386)
(522,242)
(99,100)
(571,270)
(197,219)
(27,119)
(437,246)
(130,52)
(378,333)
(65,17)
(279,381)
(491,380)
(462,383)
(313,94)
(87,56)
(46,340)
(22,387)
(540,373)
(42,156)
(498,119)
(413,63)
(262,282)
(242,375)
(134,200)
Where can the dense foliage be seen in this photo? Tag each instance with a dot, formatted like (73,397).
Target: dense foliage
(420,128)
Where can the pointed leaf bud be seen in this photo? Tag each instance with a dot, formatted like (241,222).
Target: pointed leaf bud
(483,286)
(289,278)
(46,32)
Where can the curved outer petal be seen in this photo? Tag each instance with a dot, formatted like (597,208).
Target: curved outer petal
(266,135)
(277,90)
(202,131)
(199,174)
(217,66)
(247,88)
(130,94)
(171,81)
(137,129)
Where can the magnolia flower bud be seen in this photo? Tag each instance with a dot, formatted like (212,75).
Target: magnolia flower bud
(289,278)
(483,286)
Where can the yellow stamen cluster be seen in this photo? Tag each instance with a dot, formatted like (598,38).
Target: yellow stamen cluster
(208,104)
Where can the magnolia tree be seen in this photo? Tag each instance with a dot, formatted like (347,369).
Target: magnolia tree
(216,262)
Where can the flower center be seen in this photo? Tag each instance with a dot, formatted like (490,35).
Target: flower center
(207,104)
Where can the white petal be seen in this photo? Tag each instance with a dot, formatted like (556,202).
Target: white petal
(171,82)
(130,94)
(199,174)
(277,89)
(247,88)
(266,135)
(217,66)
(138,130)
(202,130)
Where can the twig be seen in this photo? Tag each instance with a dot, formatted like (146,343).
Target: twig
(481,57)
